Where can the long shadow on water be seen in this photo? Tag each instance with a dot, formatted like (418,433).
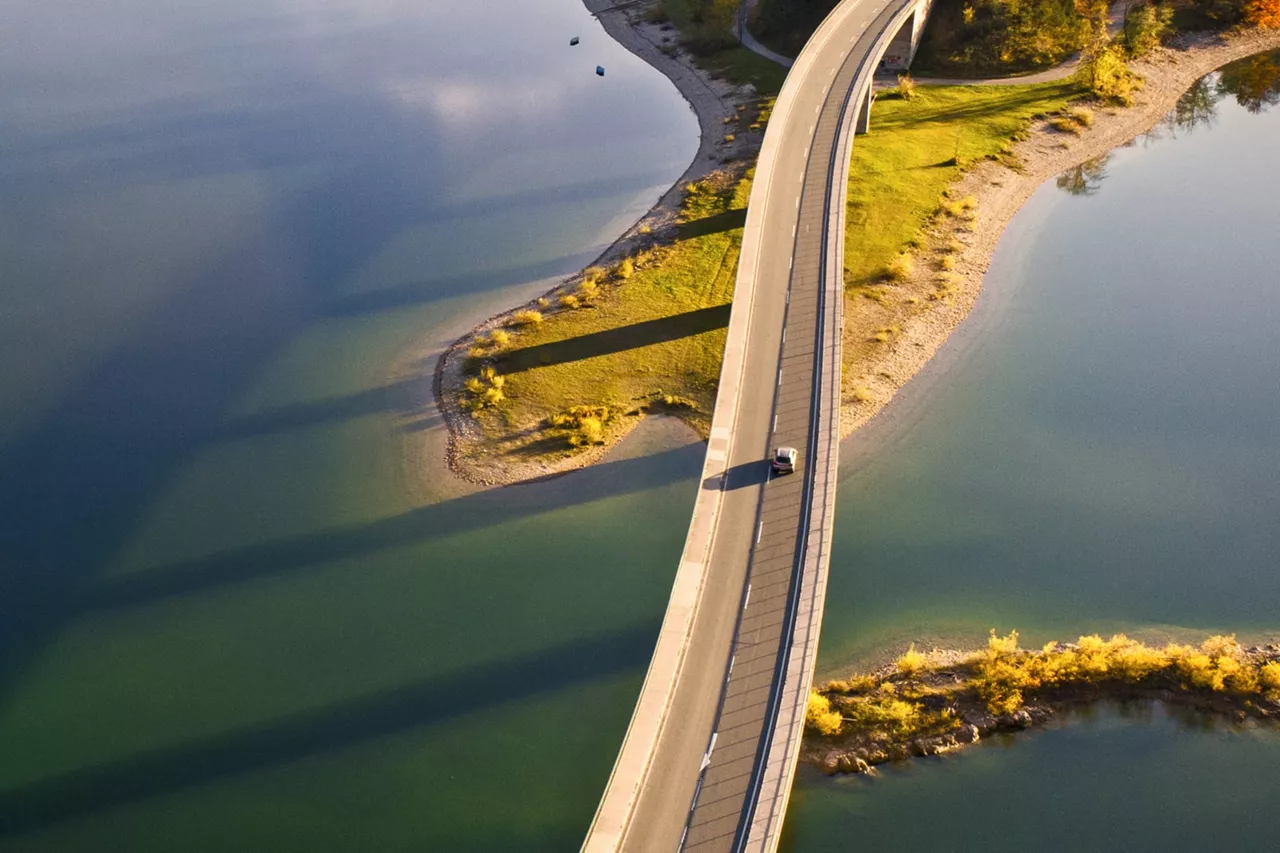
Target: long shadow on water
(477,510)
(314,732)
(74,486)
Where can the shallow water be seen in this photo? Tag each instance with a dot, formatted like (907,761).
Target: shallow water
(230,618)
(1095,450)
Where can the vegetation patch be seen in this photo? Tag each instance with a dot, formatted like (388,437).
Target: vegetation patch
(900,204)
(645,334)
(705,29)
(930,704)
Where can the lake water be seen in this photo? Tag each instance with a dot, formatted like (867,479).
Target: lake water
(232,238)
(1095,450)
(231,619)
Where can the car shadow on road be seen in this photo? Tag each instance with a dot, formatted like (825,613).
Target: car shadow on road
(740,476)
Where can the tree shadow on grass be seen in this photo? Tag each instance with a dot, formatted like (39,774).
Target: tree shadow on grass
(620,339)
(727,221)
(317,731)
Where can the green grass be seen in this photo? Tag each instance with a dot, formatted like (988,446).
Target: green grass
(919,147)
(649,337)
(731,60)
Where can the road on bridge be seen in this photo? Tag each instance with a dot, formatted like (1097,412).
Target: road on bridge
(698,784)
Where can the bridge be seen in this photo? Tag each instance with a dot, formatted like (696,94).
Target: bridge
(708,759)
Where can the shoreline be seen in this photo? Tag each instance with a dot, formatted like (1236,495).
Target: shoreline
(711,100)
(1000,192)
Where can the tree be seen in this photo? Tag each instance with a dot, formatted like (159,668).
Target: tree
(1263,13)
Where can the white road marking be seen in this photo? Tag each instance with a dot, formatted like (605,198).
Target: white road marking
(747,598)
(759,532)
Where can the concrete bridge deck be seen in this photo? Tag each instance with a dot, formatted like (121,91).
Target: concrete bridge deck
(708,760)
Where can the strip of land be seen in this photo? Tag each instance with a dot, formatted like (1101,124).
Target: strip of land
(938,702)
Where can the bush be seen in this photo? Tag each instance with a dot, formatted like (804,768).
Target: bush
(900,268)
(625,269)
(819,716)
(528,317)
(948,262)
(1145,27)
(906,86)
(1081,116)
(587,288)
(1062,124)
(911,663)
(500,338)
(569,301)
(1109,78)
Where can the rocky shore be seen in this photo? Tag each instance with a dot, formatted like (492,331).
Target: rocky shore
(947,701)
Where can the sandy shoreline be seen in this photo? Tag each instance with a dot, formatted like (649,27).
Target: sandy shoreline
(873,382)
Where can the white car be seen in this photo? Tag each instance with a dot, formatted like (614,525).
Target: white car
(784,460)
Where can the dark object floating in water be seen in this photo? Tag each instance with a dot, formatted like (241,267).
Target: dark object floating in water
(573,41)
(600,70)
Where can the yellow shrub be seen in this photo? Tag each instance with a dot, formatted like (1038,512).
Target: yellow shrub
(1137,662)
(500,338)
(569,302)
(626,268)
(900,268)
(819,716)
(475,386)
(528,317)
(912,662)
(1269,675)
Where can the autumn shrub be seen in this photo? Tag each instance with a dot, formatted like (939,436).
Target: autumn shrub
(1109,78)
(1145,27)
(912,662)
(906,86)
(1263,13)
(1269,676)
(500,338)
(625,269)
(900,268)
(570,301)
(527,317)
(947,262)
(819,716)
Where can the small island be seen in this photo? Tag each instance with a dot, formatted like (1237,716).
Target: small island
(941,701)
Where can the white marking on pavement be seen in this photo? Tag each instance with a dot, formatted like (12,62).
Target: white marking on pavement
(759,532)
(747,599)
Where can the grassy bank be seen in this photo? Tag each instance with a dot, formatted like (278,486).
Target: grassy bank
(904,230)
(706,31)
(931,703)
(646,334)
(918,147)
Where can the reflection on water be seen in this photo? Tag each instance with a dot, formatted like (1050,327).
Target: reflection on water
(1086,178)
(1253,82)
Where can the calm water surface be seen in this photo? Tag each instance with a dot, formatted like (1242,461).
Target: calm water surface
(230,619)
(1096,450)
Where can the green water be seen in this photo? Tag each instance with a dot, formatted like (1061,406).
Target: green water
(1095,450)
(231,617)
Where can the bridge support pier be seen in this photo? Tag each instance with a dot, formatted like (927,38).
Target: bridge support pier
(864,110)
(898,56)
